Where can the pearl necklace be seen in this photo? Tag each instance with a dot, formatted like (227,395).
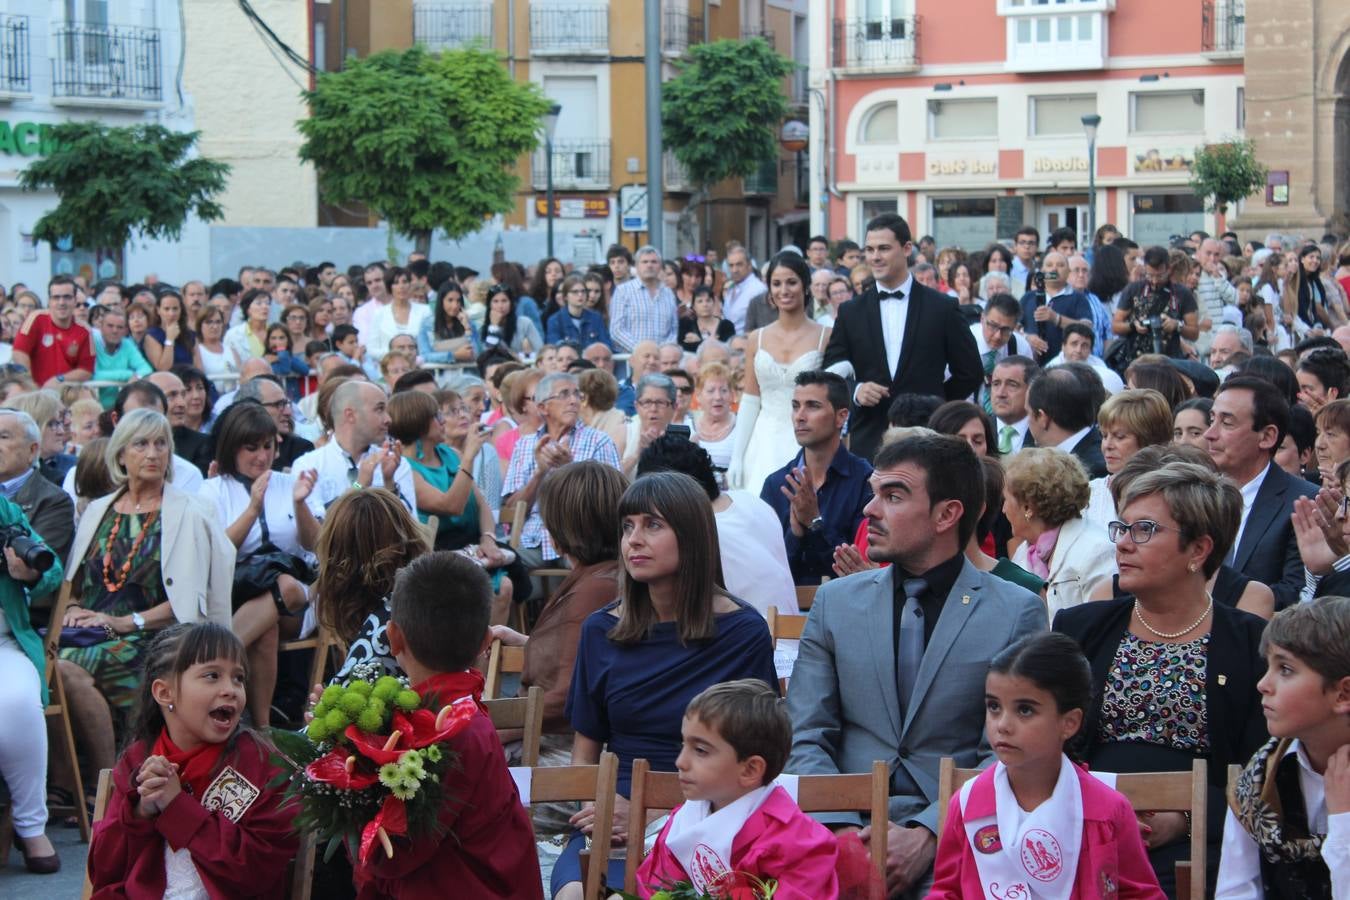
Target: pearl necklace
(1138,611)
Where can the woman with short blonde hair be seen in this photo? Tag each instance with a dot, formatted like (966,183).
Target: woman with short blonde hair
(1129,420)
(1043,492)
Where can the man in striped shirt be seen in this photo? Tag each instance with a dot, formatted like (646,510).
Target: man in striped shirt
(643,309)
(1213,293)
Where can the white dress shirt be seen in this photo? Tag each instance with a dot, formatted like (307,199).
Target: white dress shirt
(894,314)
(334,467)
(1240,858)
(1072,440)
(1249,492)
(736,299)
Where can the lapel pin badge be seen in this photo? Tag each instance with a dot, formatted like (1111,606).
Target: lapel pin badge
(965,599)
(1223,679)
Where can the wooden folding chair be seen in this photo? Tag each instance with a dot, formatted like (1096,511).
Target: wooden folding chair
(868,793)
(1146,791)
(556,784)
(806,596)
(327,647)
(100,809)
(785,627)
(526,713)
(302,868)
(501,660)
(57,707)
(513,520)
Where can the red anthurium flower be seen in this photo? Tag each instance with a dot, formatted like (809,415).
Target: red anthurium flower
(392,818)
(372,746)
(422,730)
(332,769)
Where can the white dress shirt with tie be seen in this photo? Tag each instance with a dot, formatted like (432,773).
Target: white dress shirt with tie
(894,304)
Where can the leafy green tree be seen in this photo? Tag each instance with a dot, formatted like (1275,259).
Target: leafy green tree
(720,115)
(1225,173)
(425,140)
(116,182)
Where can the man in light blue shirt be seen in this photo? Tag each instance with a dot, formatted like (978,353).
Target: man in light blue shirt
(115,358)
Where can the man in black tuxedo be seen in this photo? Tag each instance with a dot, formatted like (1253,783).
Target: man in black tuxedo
(1063,416)
(1250,419)
(898,337)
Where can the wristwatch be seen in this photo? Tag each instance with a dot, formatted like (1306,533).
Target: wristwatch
(817,523)
(138,620)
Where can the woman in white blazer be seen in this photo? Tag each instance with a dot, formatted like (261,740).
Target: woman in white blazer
(1042,497)
(144,557)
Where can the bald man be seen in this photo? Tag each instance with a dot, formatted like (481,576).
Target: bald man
(197,448)
(1046,313)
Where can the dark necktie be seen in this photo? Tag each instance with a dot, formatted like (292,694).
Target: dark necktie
(911,640)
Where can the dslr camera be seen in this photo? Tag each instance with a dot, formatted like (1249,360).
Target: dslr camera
(33,554)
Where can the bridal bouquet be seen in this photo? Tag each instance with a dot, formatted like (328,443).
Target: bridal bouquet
(370,763)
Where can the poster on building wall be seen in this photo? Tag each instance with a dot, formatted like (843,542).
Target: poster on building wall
(1169,159)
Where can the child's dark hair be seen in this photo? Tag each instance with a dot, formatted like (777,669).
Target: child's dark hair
(172,652)
(441,602)
(342,332)
(1054,663)
(278,328)
(749,716)
(1318,633)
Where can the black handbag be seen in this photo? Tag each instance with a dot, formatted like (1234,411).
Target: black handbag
(257,573)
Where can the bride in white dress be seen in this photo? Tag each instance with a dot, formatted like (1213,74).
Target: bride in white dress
(764,440)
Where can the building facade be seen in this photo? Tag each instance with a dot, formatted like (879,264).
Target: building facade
(588,57)
(966,116)
(112,61)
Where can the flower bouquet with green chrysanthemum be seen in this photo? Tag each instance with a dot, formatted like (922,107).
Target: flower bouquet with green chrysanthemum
(730,886)
(369,765)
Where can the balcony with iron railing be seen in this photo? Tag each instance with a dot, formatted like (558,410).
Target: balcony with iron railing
(106,65)
(748,34)
(1223,27)
(877,45)
(680,31)
(15,71)
(764,180)
(443,25)
(801,85)
(677,178)
(580,29)
(576,165)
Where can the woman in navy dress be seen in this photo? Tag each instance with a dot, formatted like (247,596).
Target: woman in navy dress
(673,631)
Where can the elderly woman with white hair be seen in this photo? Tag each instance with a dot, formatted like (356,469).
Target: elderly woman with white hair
(145,556)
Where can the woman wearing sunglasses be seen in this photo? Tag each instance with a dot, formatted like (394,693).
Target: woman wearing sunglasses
(1175,671)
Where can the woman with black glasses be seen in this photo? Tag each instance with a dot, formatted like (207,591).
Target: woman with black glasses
(1175,672)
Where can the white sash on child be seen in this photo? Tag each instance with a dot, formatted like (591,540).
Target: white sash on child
(1042,860)
(702,842)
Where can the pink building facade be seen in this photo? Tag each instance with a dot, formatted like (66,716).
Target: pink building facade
(965,115)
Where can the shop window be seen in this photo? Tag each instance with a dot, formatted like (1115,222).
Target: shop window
(956,119)
(871,207)
(964,222)
(1160,217)
(1167,112)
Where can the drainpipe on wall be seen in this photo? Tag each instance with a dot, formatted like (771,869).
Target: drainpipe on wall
(511,41)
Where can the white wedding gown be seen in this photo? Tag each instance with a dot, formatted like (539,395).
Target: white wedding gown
(773,443)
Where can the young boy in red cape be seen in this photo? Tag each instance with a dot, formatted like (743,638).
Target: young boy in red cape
(438,625)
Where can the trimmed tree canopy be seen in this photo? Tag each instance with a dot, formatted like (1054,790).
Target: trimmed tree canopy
(114,183)
(720,115)
(1226,173)
(427,141)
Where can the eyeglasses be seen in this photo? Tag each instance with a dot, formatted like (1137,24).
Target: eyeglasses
(565,395)
(1004,330)
(276,405)
(685,390)
(1141,532)
(651,403)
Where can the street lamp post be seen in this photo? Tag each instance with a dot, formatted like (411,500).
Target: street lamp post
(1090,123)
(550,123)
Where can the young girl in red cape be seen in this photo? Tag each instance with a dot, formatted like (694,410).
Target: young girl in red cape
(190,812)
(1035,825)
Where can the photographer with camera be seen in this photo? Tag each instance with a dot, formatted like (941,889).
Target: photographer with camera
(29,569)
(1050,304)
(1154,315)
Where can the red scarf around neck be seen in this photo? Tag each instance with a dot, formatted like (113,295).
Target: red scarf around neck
(195,767)
(450,686)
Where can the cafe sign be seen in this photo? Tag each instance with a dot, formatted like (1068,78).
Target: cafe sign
(26,139)
(959,166)
(574,207)
(1049,165)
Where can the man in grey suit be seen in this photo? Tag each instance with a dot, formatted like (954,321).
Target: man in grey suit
(892,662)
(49,509)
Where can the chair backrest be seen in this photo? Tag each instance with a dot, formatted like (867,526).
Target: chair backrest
(869,792)
(51,641)
(513,519)
(554,784)
(105,782)
(785,627)
(526,713)
(429,529)
(501,661)
(806,595)
(1146,791)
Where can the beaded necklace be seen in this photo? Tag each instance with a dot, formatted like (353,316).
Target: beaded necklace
(115,585)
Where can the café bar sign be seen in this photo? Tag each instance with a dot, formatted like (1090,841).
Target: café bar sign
(574,207)
(26,138)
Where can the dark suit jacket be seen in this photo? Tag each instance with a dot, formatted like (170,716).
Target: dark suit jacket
(197,448)
(1234,721)
(937,339)
(1268,552)
(1089,453)
(760,313)
(50,511)
(1337,584)
(1073,305)
(289,449)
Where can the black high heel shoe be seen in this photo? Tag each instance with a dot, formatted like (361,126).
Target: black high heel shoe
(38,865)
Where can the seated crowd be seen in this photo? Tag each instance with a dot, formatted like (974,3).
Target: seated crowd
(1089,529)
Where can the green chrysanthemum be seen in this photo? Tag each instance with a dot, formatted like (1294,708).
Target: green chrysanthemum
(403,792)
(336,720)
(352,703)
(363,688)
(332,694)
(386,688)
(391,776)
(432,753)
(407,700)
(318,731)
(370,721)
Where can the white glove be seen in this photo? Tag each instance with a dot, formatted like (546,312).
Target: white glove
(740,439)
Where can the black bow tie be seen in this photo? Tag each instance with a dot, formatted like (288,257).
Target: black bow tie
(890,295)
